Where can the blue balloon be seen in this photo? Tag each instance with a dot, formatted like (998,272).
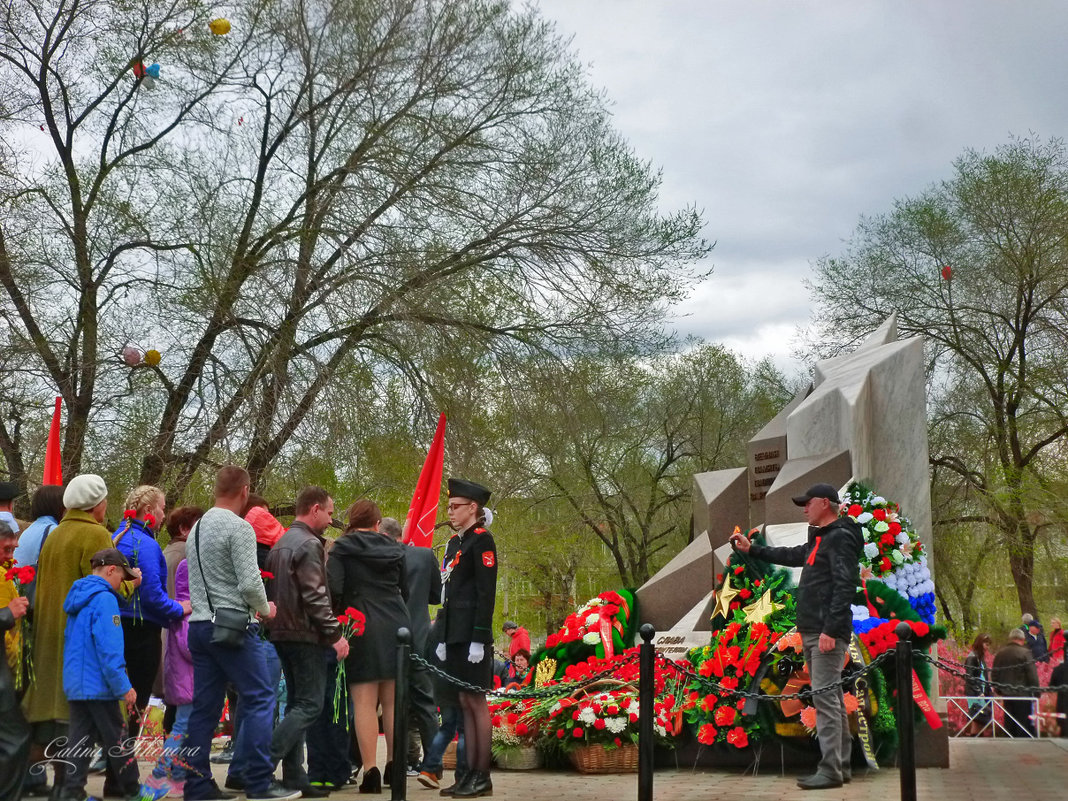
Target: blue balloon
(153,71)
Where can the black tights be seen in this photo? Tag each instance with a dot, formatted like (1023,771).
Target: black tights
(476,730)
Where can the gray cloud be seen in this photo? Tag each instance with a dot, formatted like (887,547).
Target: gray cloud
(785,122)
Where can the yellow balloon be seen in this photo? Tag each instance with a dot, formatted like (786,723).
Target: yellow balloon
(152,357)
(220,26)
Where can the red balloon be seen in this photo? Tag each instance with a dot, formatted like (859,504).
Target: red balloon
(947,272)
(139,69)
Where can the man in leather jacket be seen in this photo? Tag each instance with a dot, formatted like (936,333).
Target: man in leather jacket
(830,574)
(302,627)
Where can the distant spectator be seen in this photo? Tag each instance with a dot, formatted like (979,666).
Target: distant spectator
(1013,664)
(46,509)
(268,529)
(1036,640)
(8,492)
(1056,639)
(519,636)
(977,685)
(179,523)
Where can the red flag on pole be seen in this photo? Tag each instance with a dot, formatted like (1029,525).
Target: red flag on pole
(53,466)
(422,514)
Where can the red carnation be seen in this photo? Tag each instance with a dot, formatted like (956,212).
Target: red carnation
(879,514)
(738,570)
(855,509)
(887,539)
(725,715)
(633,717)
(560,733)
(551,640)
(737,737)
(577,732)
(895,527)
(744,593)
(343,619)
(885,564)
(617,742)
(707,734)
(266,574)
(521,729)
(599,724)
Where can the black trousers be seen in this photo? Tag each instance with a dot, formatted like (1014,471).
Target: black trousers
(143,651)
(99,722)
(422,709)
(328,740)
(305,672)
(14,736)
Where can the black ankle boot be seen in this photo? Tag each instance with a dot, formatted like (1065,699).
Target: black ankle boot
(476,784)
(372,781)
(461,780)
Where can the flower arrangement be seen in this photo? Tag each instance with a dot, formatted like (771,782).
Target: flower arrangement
(601,627)
(352,623)
(21,578)
(892,552)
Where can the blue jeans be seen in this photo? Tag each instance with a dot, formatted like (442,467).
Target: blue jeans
(242,751)
(246,669)
(170,760)
(452,722)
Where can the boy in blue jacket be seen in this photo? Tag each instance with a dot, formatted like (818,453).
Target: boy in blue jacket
(94,674)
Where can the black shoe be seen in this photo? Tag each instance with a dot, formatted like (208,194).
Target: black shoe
(452,788)
(218,795)
(234,783)
(817,781)
(476,785)
(308,790)
(387,774)
(275,792)
(372,781)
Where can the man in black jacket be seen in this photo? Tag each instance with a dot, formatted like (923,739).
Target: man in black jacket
(303,626)
(830,563)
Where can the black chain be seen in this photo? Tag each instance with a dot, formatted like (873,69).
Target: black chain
(549,691)
(991,668)
(759,696)
(948,667)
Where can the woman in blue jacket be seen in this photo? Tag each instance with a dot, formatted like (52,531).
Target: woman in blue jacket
(150,609)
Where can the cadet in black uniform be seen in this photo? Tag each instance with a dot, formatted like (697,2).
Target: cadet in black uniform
(469,581)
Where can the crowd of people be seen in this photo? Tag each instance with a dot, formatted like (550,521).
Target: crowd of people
(237,606)
(1015,663)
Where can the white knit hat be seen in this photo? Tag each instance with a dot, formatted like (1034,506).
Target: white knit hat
(84,492)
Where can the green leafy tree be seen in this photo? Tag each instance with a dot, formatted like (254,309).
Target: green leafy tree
(978,265)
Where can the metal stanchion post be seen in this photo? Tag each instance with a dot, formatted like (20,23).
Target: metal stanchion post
(906,733)
(398,789)
(646,695)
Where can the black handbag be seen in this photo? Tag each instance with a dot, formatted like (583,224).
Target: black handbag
(229,626)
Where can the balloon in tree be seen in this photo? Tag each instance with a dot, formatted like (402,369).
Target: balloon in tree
(219,26)
(153,357)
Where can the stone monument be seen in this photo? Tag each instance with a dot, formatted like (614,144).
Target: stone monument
(863,418)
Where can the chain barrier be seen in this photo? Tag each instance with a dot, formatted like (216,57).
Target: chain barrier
(851,679)
(522,695)
(991,668)
(1017,689)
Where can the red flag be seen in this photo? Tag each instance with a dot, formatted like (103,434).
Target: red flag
(53,466)
(419,524)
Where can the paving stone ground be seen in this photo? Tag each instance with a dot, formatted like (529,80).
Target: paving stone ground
(986,770)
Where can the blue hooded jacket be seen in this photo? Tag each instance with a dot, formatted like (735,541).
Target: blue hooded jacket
(94,665)
(150,602)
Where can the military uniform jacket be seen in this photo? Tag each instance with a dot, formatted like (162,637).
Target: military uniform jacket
(469,578)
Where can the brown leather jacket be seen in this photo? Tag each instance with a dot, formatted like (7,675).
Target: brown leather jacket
(298,589)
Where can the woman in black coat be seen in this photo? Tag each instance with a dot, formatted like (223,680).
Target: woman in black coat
(366,571)
(469,586)
(976,686)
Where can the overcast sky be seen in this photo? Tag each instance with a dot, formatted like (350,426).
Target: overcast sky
(786,121)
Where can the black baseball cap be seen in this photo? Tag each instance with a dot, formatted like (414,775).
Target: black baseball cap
(112,556)
(817,491)
(9,490)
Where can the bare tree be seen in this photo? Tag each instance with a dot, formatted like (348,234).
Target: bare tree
(326,190)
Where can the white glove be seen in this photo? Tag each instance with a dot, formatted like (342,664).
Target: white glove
(476,652)
(439,652)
